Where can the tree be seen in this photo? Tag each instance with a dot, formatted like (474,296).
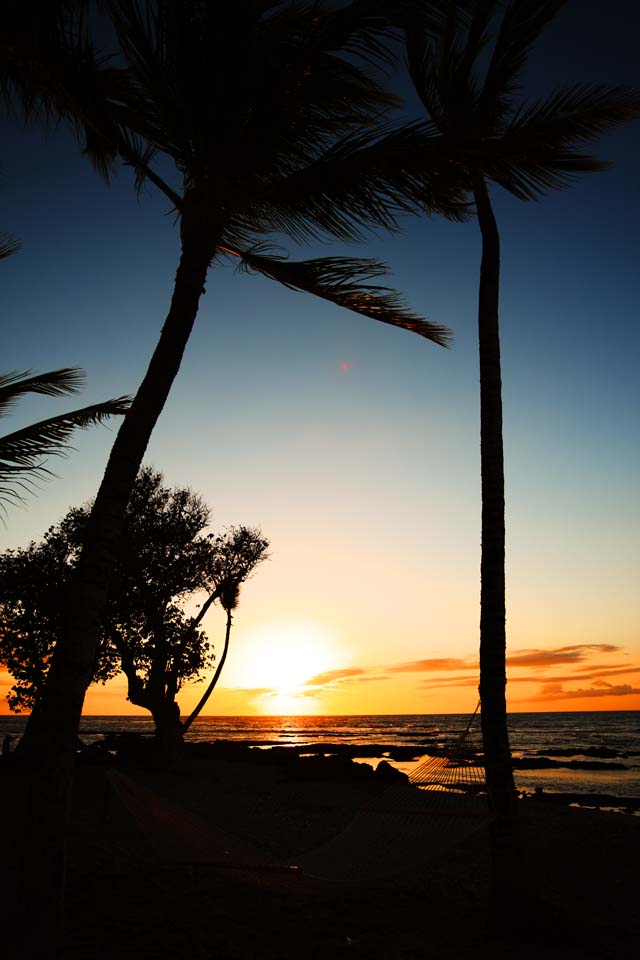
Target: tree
(169,560)
(273,129)
(22,452)
(236,557)
(469,80)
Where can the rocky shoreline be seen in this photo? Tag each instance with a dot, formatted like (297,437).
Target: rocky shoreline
(335,762)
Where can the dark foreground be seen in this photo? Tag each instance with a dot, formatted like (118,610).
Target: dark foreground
(131,896)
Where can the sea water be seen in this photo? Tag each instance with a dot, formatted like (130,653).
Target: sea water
(566,738)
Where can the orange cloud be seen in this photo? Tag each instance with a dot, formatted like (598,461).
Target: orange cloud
(588,673)
(449,682)
(554,691)
(424,666)
(333,676)
(548,658)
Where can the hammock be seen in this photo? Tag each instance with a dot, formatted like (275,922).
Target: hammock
(405,825)
(443,803)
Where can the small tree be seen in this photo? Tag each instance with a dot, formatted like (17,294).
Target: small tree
(166,560)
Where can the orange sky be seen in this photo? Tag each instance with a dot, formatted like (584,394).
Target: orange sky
(285,657)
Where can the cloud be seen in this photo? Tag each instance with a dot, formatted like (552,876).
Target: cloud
(533,657)
(588,673)
(334,676)
(550,689)
(426,666)
(554,691)
(434,684)
(548,658)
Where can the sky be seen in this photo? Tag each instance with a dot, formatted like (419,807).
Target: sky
(354,446)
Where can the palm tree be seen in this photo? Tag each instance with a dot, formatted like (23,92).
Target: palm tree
(472,98)
(273,130)
(239,553)
(228,601)
(22,452)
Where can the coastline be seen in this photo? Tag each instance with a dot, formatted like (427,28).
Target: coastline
(576,755)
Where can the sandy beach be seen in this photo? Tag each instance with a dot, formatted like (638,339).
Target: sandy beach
(133,894)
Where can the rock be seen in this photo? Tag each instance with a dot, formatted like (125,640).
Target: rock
(385,773)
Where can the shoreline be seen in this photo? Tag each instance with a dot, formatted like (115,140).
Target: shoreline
(348,762)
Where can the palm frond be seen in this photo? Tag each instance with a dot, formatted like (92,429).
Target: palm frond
(578,114)
(55,383)
(23,448)
(359,29)
(420,63)
(221,86)
(443,64)
(531,174)
(364,181)
(539,150)
(345,281)
(522,23)
(50,70)
(8,245)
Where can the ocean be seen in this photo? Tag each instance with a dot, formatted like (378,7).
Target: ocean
(587,752)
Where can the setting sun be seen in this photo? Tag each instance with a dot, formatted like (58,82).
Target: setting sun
(279,658)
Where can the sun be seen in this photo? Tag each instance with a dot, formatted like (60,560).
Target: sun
(280,658)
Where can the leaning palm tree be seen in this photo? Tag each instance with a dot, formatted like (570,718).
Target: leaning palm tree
(23,451)
(472,96)
(228,601)
(238,554)
(274,131)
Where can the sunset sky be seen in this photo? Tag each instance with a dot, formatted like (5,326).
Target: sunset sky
(354,446)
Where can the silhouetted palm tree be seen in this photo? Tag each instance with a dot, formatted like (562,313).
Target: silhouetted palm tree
(22,452)
(229,601)
(240,551)
(469,80)
(273,130)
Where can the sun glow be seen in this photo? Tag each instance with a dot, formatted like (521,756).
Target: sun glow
(278,659)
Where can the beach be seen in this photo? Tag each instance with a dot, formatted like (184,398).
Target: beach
(195,860)
(132,893)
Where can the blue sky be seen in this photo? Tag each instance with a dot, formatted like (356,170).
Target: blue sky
(367,480)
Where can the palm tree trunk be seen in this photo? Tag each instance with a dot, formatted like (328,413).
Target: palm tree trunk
(53,726)
(52,729)
(205,696)
(493,679)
